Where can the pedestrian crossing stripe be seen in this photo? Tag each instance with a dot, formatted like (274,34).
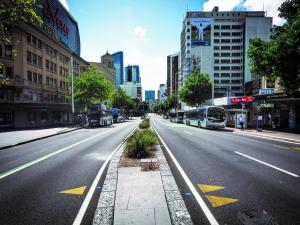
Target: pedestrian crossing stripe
(74,191)
(220,201)
(209,188)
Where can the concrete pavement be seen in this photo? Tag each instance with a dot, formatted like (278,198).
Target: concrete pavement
(13,138)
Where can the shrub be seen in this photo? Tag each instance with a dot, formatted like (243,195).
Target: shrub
(145,124)
(139,145)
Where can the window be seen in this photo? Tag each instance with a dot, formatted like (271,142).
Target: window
(216,81)
(225,74)
(28,38)
(225,81)
(8,51)
(216,33)
(235,68)
(216,74)
(216,47)
(225,47)
(29,76)
(47,65)
(225,27)
(225,61)
(216,27)
(32,117)
(236,61)
(216,68)
(225,41)
(236,47)
(39,59)
(225,54)
(60,70)
(236,81)
(8,71)
(39,44)
(188,37)
(225,34)
(48,81)
(225,67)
(28,57)
(34,41)
(216,40)
(216,54)
(34,76)
(188,23)
(40,77)
(188,30)
(236,40)
(60,84)
(236,75)
(236,27)
(55,83)
(217,60)
(34,59)
(235,54)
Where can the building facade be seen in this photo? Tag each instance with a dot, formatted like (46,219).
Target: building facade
(37,89)
(132,74)
(106,67)
(119,68)
(149,95)
(217,43)
(172,73)
(133,90)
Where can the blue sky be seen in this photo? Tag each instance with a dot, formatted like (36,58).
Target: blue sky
(145,30)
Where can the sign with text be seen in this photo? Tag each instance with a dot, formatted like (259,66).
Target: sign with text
(243,99)
(201,31)
(266,91)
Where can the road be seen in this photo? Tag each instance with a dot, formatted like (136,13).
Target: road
(33,175)
(242,179)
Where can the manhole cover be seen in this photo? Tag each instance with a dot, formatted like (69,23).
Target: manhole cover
(252,217)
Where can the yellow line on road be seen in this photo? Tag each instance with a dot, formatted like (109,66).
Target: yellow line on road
(279,146)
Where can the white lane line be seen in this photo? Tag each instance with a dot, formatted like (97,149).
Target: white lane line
(92,189)
(42,158)
(267,137)
(188,132)
(279,146)
(212,220)
(267,164)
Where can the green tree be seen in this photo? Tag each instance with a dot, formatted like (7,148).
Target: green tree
(121,100)
(16,11)
(90,87)
(278,58)
(196,88)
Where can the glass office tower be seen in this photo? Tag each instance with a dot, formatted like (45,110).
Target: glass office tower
(118,62)
(132,74)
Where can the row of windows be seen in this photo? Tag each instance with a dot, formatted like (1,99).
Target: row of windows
(228,67)
(228,74)
(228,47)
(228,40)
(227,27)
(33,40)
(63,71)
(34,77)
(7,50)
(36,42)
(228,61)
(51,66)
(34,59)
(39,97)
(227,81)
(228,34)
(224,54)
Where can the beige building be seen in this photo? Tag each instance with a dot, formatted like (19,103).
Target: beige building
(106,67)
(37,90)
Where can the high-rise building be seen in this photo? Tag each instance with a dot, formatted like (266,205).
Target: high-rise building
(132,89)
(37,88)
(217,43)
(149,95)
(172,73)
(132,74)
(119,67)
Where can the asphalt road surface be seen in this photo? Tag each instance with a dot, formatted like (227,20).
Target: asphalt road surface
(242,179)
(33,175)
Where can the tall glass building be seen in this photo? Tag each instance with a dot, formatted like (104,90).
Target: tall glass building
(118,63)
(132,74)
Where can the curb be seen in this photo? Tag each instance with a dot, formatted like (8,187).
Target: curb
(39,138)
(266,136)
(178,212)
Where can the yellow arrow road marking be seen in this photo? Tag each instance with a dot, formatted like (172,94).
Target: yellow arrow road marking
(74,191)
(220,201)
(209,188)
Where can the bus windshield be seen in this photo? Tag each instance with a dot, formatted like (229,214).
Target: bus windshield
(216,115)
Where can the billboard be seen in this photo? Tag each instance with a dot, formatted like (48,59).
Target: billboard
(201,31)
(59,23)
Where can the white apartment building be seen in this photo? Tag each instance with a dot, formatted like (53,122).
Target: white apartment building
(132,89)
(217,43)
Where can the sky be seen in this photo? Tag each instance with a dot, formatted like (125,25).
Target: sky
(147,31)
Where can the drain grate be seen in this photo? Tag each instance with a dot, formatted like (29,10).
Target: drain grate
(252,217)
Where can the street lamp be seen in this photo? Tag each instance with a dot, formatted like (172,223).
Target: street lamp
(72,85)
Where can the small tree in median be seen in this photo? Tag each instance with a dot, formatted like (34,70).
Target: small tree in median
(196,88)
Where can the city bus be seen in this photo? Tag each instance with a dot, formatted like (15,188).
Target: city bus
(99,115)
(176,116)
(206,117)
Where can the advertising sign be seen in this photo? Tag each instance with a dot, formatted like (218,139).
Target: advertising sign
(59,23)
(243,99)
(201,31)
(266,91)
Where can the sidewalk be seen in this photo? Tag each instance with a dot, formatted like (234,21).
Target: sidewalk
(13,138)
(132,196)
(268,133)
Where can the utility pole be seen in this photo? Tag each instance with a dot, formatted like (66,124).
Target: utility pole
(72,89)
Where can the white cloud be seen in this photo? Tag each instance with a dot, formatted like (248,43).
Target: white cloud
(270,6)
(65,4)
(223,5)
(139,32)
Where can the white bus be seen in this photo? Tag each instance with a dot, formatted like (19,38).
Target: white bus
(176,116)
(206,117)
